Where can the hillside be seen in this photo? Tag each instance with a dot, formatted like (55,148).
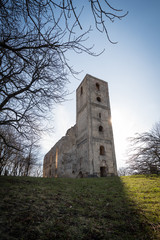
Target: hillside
(110,208)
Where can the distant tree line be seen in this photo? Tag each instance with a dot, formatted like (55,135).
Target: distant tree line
(144,152)
(18,160)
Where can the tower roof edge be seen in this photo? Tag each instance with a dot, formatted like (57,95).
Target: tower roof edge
(90,77)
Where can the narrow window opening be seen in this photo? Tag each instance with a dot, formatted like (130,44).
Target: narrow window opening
(98,99)
(102,150)
(81,90)
(98,86)
(50,171)
(100,129)
(100,115)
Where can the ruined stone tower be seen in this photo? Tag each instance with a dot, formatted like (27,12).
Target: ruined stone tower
(88,147)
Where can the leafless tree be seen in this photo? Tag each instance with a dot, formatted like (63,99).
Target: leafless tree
(35,37)
(123,171)
(37,170)
(16,158)
(31,159)
(144,152)
(7,154)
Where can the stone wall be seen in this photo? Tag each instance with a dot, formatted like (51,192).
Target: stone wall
(60,161)
(87,149)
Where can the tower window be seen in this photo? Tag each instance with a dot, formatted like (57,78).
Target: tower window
(97,86)
(81,90)
(98,99)
(100,129)
(99,115)
(102,150)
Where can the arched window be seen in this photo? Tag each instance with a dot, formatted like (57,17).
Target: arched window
(97,86)
(102,150)
(100,129)
(98,99)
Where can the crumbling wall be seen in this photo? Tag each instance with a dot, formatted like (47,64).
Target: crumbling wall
(60,161)
(87,149)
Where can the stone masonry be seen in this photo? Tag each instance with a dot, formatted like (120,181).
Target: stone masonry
(87,149)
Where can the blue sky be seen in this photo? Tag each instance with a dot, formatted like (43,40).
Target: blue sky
(132,70)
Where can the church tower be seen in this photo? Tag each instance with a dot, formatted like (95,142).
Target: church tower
(87,149)
(95,144)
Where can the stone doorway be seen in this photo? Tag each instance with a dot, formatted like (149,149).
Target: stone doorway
(103,172)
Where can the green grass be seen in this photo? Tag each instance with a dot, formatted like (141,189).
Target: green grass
(111,208)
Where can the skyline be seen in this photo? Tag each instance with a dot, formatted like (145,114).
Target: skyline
(131,68)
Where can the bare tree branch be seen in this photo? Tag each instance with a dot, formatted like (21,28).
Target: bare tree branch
(35,37)
(144,152)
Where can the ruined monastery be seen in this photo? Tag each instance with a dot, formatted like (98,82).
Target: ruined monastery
(87,149)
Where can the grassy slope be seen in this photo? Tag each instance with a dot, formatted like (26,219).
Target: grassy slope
(111,208)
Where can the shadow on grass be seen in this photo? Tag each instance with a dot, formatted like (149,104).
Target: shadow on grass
(67,209)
